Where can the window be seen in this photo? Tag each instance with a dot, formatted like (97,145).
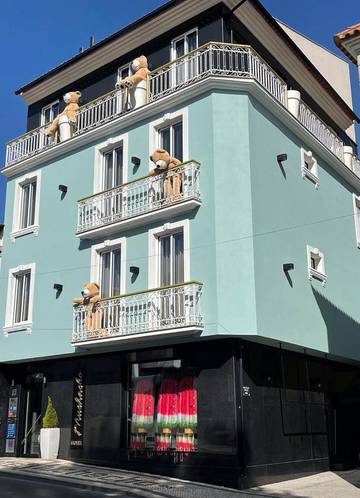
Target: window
(187,67)
(123,72)
(26,205)
(171,139)
(108,267)
(163,407)
(49,112)
(169,254)
(110,164)
(20,298)
(309,167)
(316,264)
(171,132)
(356,203)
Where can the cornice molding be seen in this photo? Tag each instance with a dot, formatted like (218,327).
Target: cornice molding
(207,85)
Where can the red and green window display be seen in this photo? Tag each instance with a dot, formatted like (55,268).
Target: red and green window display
(163,408)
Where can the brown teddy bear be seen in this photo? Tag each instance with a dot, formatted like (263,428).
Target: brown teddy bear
(71,100)
(90,297)
(135,86)
(172,181)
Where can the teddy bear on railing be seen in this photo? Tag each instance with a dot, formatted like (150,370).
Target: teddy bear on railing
(90,297)
(135,87)
(66,119)
(172,180)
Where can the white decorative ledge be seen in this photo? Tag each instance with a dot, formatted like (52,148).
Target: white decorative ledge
(24,231)
(18,327)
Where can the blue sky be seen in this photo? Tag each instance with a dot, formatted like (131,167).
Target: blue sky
(36,36)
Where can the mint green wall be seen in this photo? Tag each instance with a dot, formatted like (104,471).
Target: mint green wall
(288,214)
(252,220)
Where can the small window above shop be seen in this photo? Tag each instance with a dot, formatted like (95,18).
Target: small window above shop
(309,167)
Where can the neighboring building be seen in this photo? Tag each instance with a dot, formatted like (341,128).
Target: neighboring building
(349,42)
(240,290)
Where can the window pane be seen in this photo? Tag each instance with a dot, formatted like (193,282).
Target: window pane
(105,274)
(165,269)
(46,115)
(32,202)
(165,139)
(108,170)
(25,206)
(116,272)
(191,41)
(178,141)
(25,301)
(178,258)
(22,293)
(19,281)
(179,48)
(55,110)
(118,153)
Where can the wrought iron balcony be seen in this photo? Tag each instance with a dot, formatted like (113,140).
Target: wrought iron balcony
(168,310)
(138,202)
(211,60)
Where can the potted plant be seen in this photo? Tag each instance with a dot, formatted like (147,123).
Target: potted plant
(50,433)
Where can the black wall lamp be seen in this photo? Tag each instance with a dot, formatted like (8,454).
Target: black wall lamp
(134,270)
(288,266)
(136,161)
(63,188)
(281,158)
(58,288)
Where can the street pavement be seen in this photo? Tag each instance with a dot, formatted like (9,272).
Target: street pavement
(36,478)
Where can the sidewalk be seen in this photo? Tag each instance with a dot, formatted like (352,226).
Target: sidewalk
(324,485)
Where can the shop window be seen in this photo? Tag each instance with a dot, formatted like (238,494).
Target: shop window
(163,407)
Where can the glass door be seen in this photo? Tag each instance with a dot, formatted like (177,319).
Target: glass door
(33,416)
(171,274)
(110,278)
(186,68)
(112,177)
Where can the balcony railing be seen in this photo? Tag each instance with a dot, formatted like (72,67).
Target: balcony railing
(157,310)
(212,59)
(138,197)
(321,130)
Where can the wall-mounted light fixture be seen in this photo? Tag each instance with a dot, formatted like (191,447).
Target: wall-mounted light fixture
(288,266)
(63,188)
(281,158)
(134,270)
(58,287)
(136,161)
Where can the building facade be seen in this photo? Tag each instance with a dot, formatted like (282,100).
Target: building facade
(225,346)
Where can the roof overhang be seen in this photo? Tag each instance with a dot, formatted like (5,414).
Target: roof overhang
(250,12)
(349,42)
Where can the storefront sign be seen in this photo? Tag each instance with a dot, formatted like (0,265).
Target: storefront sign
(77,427)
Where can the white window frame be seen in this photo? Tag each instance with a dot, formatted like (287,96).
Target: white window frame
(121,68)
(313,174)
(154,250)
(43,110)
(166,120)
(173,42)
(97,249)
(100,150)
(10,326)
(356,206)
(20,182)
(318,273)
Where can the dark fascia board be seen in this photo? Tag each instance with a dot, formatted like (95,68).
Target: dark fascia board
(272,21)
(98,45)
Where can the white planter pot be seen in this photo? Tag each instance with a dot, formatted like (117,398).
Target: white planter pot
(49,443)
(293,98)
(348,156)
(64,128)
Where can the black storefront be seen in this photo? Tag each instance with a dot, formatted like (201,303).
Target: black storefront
(225,411)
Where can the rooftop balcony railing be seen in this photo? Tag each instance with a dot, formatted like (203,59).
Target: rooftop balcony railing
(144,198)
(213,59)
(173,309)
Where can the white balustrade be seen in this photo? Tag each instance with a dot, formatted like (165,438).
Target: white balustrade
(212,59)
(161,309)
(321,131)
(137,197)
(356,166)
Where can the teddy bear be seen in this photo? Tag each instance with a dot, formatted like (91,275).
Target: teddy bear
(71,100)
(90,297)
(164,164)
(135,87)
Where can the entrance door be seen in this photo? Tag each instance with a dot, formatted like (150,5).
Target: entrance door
(30,446)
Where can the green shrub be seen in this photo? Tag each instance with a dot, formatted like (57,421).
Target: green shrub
(50,419)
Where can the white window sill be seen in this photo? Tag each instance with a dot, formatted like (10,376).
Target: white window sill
(24,231)
(318,275)
(17,327)
(307,174)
